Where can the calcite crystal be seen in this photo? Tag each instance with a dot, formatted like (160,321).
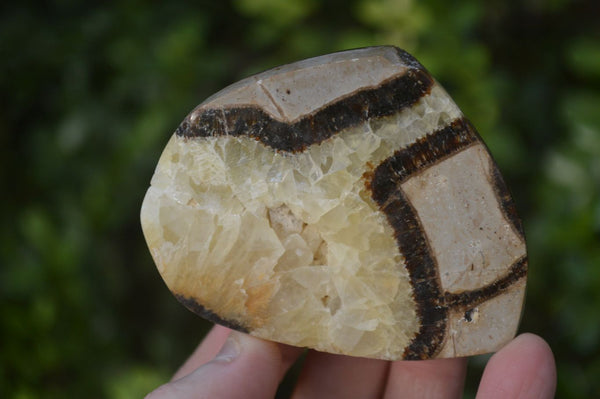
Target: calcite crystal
(341,203)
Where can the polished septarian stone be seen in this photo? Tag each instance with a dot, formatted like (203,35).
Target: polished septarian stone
(341,203)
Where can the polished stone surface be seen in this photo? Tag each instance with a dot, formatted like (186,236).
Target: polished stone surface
(294,244)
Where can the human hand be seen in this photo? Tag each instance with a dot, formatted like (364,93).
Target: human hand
(232,365)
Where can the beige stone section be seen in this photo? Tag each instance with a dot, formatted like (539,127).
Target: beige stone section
(469,235)
(291,91)
(493,324)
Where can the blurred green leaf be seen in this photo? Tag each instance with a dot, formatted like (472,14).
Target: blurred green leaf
(277,12)
(584,57)
(135,383)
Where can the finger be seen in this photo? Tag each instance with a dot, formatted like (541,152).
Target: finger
(210,346)
(246,367)
(523,369)
(335,376)
(440,378)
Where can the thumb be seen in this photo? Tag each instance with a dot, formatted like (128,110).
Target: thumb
(246,367)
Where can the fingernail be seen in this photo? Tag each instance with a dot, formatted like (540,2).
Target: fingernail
(230,349)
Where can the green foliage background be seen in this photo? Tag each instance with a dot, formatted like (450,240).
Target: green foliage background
(90,93)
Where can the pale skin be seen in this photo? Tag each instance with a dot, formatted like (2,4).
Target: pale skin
(232,365)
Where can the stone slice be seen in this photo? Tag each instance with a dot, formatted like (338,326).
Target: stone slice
(341,203)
